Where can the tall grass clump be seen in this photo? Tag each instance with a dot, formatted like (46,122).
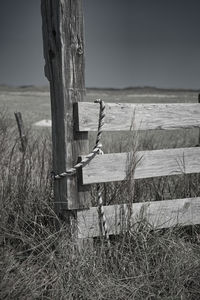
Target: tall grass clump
(39,260)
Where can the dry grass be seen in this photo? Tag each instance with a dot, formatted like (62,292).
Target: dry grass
(38,261)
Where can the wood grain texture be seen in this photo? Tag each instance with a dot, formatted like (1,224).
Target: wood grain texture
(155,163)
(62,22)
(158,214)
(139,116)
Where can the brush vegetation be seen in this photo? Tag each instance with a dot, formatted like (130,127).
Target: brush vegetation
(39,259)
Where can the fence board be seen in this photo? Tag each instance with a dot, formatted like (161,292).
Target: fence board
(154,163)
(158,214)
(142,116)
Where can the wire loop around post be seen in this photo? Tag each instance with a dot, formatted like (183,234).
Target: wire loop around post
(96,150)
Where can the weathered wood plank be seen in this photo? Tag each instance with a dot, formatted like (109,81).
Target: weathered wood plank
(158,214)
(62,23)
(139,116)
(155,163)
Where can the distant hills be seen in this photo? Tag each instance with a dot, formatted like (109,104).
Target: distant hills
(147,89)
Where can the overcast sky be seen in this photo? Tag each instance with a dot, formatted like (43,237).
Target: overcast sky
(128,43)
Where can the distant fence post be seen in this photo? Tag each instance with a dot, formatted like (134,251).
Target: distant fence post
(199,128)
(62,23)
(21,129)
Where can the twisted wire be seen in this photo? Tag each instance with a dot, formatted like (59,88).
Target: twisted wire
(101,122)
(99,193)
(102,217)
(96,150)
(83,163)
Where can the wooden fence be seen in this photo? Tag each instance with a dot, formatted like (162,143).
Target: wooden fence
(72,119)
(154,163)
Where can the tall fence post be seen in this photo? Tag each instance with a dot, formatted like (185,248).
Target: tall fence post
(62,23)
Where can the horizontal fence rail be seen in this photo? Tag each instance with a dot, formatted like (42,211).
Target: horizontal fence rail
(158,214)
(154,163)
(140,165)
(122,117)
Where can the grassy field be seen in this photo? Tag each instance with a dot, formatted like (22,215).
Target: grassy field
(39,260)
(34,104)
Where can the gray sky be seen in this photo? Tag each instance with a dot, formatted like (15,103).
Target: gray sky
(128,43)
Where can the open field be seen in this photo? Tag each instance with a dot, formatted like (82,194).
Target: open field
(39,260)
(34,104)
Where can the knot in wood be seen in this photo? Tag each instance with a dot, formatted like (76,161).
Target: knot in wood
(80,50)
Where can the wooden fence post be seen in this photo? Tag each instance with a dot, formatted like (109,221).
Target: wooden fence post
(21,129)
(62,23)
(199,129)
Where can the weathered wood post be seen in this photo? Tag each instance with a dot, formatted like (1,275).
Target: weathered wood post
(199,129)
(22,133)
(62,22)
